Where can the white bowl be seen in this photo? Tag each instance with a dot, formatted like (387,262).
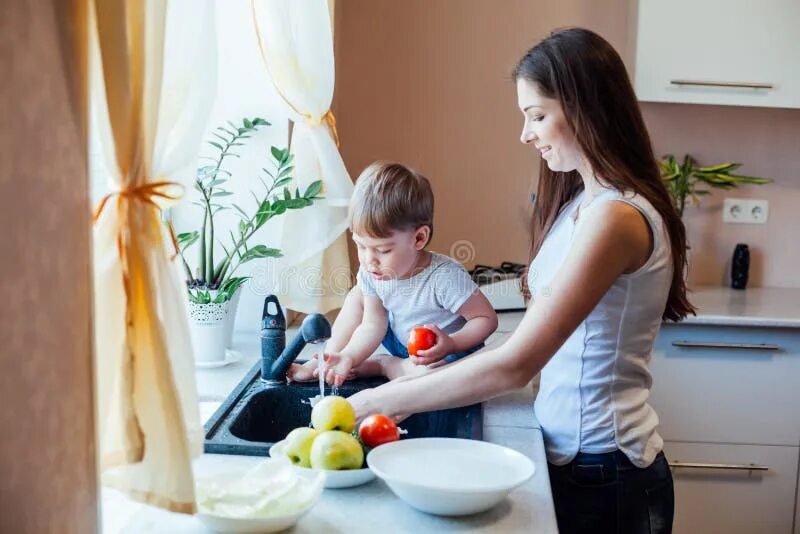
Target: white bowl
(448,476)
(345,478)
(255,524)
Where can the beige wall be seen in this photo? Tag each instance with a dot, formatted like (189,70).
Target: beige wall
(426,82)
(47,452)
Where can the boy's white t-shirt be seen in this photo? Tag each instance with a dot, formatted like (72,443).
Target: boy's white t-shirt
(432,296)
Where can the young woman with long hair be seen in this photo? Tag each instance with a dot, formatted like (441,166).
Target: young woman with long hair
(608,265)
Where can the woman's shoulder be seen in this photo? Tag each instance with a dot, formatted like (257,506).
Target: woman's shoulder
(624,225)
(623,217)
(627,204)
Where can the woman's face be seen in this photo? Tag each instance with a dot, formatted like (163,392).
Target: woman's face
(546,128)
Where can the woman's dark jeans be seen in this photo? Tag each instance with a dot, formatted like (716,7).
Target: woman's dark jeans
(606,493)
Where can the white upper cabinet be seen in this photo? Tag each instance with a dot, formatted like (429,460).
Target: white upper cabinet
(730,52)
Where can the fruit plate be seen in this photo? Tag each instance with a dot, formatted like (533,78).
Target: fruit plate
(346,478)
(449,476)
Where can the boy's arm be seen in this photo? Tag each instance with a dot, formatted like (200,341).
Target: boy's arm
(343,327)
(481,322)
(369,334)
(347,321)
(366,338)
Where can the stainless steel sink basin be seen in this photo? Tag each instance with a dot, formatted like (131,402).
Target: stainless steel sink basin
(258,414)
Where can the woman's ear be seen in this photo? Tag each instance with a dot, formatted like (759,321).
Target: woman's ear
(422,236)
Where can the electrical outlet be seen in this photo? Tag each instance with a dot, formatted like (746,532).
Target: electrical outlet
(745,211)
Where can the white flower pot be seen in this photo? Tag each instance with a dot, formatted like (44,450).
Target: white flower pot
(208,328)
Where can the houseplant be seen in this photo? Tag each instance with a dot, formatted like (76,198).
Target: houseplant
(687,179)
(214,284)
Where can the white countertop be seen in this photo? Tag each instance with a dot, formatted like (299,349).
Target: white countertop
(756,306)
(508,420)
(770,307)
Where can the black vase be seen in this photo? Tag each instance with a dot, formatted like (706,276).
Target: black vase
(740,265)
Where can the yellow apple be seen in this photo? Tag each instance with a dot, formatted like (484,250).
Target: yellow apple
(335,449)
(333,413)
(297,445)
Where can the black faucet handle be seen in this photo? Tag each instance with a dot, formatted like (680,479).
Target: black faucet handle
(272,320)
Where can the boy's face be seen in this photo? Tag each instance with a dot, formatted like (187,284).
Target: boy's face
(391,257)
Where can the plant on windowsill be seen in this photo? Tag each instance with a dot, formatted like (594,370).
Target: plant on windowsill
(684,180)
(214,283)
(210,183)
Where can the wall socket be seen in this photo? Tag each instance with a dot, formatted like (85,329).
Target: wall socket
(745,211)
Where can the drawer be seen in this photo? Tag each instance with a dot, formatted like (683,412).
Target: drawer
(727,384)
(729,498)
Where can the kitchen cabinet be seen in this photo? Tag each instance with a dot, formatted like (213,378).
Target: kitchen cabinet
(729,52)
(729,412)
(727,384)
(733,489)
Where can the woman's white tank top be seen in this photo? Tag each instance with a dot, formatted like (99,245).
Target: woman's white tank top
(594,391)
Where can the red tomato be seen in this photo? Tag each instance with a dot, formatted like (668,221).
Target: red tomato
(377,429)
(421,338)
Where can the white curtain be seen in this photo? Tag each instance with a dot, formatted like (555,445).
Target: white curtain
(296,43)
(152,79)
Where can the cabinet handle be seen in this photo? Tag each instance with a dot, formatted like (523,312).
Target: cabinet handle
(734,85)
(732,467)
(720,345)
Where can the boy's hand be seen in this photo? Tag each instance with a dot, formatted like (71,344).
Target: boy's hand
(445,346)
(338,368)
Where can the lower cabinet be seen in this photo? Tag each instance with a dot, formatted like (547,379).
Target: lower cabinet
(729,410)
(733,489)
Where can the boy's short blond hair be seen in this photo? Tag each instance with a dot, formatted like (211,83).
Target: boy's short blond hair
(390,197)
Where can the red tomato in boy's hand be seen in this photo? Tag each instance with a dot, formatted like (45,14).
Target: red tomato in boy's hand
(421,338)
(377,429)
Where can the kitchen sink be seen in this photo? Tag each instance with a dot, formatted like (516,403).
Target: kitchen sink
(258,414)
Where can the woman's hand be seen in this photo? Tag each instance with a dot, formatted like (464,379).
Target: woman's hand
(363,403)
(368,401)
(445,346)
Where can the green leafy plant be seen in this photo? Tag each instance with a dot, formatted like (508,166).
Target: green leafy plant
(217,274)
(687,180)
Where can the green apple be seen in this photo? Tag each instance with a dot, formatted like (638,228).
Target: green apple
(333,413)
(297,445)
(335,449)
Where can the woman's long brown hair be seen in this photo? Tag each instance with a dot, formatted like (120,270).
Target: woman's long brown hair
(585,74)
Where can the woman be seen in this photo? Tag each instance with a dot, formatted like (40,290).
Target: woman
(608,262)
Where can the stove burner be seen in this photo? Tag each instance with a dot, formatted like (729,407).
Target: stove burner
(485,274)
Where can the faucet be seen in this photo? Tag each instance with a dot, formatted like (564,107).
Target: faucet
(276,357)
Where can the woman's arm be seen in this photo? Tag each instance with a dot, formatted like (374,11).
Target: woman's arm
(614,239)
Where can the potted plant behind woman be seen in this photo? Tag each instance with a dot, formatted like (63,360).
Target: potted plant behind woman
(683,180)
(213,287)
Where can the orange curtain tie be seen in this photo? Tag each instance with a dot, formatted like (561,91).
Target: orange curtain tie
(146,193)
